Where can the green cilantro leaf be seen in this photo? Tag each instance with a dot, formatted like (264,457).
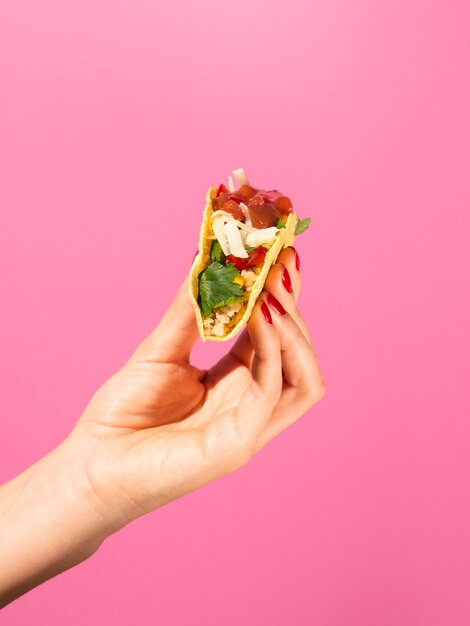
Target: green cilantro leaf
(216,251)
(216,287)
(281,224)
(302,225)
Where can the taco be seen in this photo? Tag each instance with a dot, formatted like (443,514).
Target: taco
(242,233)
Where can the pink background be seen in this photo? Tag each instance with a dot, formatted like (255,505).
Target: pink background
(115,116)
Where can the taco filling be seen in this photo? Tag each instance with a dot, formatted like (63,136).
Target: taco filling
(244,223)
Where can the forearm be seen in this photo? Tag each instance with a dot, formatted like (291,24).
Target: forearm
(47,523)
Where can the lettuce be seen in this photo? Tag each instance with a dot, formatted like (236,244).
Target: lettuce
(216,251)
(302,225)
(216,287)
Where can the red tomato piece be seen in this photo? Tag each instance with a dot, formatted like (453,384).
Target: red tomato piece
(257,200)
(263,215)
(256,257)
(245,192)
(234,209)
(283,204)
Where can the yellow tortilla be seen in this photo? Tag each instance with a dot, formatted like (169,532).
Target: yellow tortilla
(284,238)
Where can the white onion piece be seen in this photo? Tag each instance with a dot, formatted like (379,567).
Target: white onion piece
(228,216)
(240,177)
(261,235)
(234,240)
(218,219)
(246,213)
(220,212)
(218,228)
(243,226)
(230,184)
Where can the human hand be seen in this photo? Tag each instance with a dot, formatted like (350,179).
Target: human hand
(161,427)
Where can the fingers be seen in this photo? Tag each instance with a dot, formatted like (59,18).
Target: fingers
(288,259)
(175,335)
(290,356)
(299,361)
(280,283)
(259,400)
(304,384)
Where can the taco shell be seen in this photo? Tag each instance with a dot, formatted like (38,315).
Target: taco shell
(284,238)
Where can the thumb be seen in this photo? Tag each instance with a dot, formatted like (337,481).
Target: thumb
(174,337)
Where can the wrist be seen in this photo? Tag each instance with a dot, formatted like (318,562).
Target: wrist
(48,521)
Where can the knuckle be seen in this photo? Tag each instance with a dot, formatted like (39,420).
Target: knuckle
(244,457)
(317,392)
(321,390)
(274,274)
(277,268)
(238,457)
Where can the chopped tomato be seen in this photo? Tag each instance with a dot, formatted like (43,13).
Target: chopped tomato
(263,215)
(234,209)
(225,203)
(245,192)
(265,208)
(254,258)
(257,200)
(283,204)
(222,189)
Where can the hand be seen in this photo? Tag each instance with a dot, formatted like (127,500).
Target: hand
(158,429)
(161,427)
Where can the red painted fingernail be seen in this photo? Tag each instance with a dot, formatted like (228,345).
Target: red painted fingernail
(297,260)
(275,304)
(286,280)
(266,313)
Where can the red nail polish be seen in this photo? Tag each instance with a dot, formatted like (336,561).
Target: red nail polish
(275,304)
(266,313)
(286,280)
(297,260)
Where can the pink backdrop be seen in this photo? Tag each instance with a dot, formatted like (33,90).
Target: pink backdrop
(114,118)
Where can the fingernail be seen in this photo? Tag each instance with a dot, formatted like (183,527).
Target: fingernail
(286,280)
(266,313)
(297,260)
(275,304)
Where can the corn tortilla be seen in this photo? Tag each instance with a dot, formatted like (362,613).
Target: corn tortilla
(284,238)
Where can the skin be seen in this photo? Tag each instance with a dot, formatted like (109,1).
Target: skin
(156,430)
